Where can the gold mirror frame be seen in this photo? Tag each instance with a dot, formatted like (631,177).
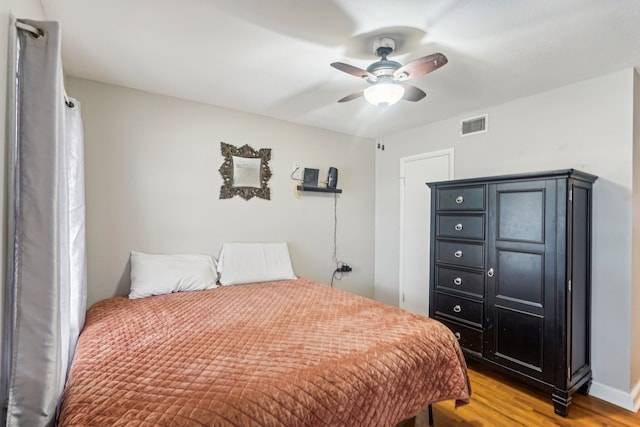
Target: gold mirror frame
(228,190)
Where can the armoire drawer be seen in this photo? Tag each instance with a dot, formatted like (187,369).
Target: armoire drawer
(469,338)
(461,198)
(461,226)
(470,282)
(466,254)
(459,308)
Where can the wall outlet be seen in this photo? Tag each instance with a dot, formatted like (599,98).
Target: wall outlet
(344,268)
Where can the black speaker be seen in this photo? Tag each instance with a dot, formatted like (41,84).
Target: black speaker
(310,178)
(332,178)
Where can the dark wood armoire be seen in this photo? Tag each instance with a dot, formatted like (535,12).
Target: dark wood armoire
(511,275)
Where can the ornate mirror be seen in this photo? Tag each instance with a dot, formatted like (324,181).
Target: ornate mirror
(245,172)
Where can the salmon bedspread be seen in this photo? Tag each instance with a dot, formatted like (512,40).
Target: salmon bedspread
(287,353)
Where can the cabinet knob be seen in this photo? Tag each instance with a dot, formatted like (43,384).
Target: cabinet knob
(457,254)
(457,308)
(457,281)
(458,335)
(459,200)
(490,272)
(458,227)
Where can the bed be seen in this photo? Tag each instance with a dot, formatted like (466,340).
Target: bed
(280,353)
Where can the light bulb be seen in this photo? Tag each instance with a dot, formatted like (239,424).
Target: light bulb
(383,94)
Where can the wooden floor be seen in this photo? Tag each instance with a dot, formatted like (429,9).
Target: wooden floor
(497,401)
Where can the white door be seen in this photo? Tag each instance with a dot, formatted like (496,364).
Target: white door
(415,208)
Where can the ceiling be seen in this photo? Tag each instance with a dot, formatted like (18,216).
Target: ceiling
(272,57)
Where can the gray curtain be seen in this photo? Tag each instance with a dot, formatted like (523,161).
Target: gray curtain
(46,283)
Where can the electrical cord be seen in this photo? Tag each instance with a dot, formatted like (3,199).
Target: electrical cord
(294,171)
(337,273)
(335,228)
(334,276)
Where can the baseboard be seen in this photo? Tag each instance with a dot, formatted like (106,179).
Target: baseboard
(626,400)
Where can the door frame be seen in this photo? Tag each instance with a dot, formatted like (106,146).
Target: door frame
(403,161)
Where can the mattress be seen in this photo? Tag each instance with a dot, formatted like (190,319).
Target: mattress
(287,353)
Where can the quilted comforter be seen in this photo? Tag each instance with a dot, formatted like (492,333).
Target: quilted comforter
(290,353)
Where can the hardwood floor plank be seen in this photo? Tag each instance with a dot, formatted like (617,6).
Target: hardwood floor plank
(498,401)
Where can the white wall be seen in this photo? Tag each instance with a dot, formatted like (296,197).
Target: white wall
(586,126)
(152,185)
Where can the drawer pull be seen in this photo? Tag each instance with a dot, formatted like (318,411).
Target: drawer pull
(458,335)
(490,272)
(457,254)
(458,227)
(457,281)
(459,200)
(457,308)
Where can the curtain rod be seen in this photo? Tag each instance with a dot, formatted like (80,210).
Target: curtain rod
(37,32)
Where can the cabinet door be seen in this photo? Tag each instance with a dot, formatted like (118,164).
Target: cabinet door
(520,276)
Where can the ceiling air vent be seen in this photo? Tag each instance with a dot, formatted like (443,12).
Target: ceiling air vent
(474,125)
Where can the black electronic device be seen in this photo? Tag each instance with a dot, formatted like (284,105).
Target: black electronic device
(310,177)
(332,178)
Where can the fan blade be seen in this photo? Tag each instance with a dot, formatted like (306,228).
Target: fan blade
(412,93)
(354,71)
(352,96)
(420,67)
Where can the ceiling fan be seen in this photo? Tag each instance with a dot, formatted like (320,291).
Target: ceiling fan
(386,77)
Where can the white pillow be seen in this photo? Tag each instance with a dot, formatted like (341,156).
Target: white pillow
(163,274)
(241,263)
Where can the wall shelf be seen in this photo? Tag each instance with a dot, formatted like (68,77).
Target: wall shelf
(318,189)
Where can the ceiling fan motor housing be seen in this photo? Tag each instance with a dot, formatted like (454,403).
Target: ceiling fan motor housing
(383,67)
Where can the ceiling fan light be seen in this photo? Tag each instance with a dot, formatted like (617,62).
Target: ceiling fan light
(383,94)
